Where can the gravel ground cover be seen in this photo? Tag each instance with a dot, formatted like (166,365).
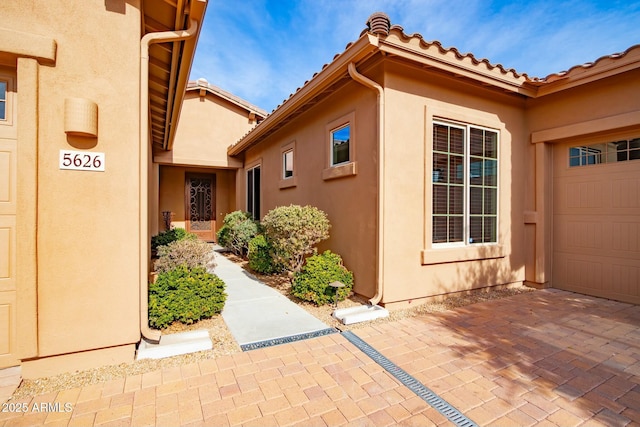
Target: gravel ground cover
(225,344)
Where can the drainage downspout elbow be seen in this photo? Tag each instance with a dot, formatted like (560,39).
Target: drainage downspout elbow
(145,42)
(355,75)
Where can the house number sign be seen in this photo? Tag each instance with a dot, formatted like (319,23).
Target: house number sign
(82,160)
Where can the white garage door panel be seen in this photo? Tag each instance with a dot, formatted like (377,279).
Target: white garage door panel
(596,228)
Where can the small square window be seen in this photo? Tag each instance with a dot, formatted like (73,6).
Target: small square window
(340,145)
(287,164)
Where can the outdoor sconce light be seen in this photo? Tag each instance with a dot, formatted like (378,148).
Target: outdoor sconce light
(80,117)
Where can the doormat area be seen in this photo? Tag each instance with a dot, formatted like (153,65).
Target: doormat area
(410,382)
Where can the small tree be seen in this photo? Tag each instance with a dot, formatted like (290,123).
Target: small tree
(187,252)
(174,234)
(185,295)
(237,231)
(293,231)
(312,282)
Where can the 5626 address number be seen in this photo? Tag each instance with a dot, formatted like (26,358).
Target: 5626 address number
(82,160)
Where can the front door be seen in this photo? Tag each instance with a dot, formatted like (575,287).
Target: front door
(200,205)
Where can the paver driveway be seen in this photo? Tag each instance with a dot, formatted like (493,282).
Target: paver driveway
(542,358)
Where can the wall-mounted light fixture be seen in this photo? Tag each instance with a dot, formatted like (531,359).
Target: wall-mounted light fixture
(80,117)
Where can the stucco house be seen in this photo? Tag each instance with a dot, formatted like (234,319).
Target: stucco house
(442,172)
(86,93)
(197,179)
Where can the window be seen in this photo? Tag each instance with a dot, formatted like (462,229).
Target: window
(253,192)
(3,100)
(340,145)
(465,184)
(287,164)
(608,152)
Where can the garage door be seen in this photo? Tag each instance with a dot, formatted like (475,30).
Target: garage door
(596,222)
(8,214)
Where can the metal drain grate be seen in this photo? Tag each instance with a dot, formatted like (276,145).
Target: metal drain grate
(285,340)
(410,382)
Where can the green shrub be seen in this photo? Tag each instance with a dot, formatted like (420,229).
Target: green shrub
(293,231)
(238,228)
(185,295)
(312,282)
(261,258)
(165,237)
(187,252)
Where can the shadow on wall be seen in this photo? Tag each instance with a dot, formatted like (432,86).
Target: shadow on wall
(481,274)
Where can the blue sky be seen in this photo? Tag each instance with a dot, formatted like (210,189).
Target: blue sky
(262,50)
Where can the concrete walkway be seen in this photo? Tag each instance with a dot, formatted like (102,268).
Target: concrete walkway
(544,358)
(256,314)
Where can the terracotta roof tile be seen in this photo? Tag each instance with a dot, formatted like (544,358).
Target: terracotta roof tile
(399,30)
(204,84)
(556,76)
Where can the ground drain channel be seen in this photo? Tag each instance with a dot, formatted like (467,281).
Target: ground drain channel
(410,382)
(285,340)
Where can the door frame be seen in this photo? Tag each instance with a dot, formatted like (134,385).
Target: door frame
(207,236)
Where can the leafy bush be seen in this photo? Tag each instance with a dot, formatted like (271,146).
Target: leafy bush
(293,231)
(185,295)
(238,228)
(312,282)
(165,237)
(187,252)
(261,257)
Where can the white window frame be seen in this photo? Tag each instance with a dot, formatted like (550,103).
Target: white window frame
(332,147)
(285,164)
(466,222)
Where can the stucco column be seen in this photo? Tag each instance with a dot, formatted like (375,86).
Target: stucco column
(544,213)
(27,203)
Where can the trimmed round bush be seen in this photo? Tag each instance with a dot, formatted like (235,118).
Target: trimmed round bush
(238,228)
(174,234)
(261,257)
(311,283)
(187,252)
(185,295)
(293,231)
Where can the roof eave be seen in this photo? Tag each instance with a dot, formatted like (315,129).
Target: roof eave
(196,86)
(196,11)
(602,68)
(357,51)
(459,68)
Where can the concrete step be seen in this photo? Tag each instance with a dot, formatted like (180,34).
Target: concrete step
(175,345)
(361,313)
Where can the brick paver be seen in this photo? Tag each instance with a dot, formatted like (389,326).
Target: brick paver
(548,358)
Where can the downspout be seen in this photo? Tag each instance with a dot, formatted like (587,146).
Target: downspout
(355,75)
(147,40)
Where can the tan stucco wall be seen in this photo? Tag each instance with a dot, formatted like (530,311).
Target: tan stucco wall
(208,125)
(87,222)
(172,192)
(413,269)
(603,108)
(350,202)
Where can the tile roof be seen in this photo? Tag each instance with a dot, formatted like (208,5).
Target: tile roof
(202,83)
(576,68)
(452,52)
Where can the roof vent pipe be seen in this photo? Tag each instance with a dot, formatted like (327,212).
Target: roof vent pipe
(379,24)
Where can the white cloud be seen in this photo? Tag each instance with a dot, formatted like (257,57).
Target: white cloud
(262,50)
